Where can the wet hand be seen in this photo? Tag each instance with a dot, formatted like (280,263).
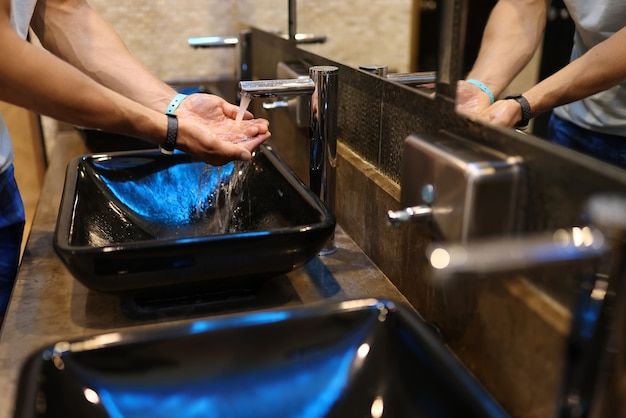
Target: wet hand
(470,100)
(209,107)
(502,113)
(208,130)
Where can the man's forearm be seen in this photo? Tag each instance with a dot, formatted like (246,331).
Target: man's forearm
(602,67)
(35,79)
(513,33)
(77,34)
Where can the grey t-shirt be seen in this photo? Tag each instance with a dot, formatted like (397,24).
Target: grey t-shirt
(595,22)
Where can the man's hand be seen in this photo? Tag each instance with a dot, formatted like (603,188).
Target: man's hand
(470,100)
(208,130)
(503,113)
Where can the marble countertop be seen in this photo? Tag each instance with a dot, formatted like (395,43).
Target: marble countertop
(49,305)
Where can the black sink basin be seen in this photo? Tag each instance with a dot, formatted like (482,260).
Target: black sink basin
(361,358)
(142,220)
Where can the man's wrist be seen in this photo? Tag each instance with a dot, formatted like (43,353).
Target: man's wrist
(174,103)
(483,87)
(526,110)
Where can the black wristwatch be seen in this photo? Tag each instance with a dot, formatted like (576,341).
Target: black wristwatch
(526,113)
(171,136)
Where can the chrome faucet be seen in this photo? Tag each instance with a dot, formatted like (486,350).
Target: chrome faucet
(322,85)
(418,78)
(587,390)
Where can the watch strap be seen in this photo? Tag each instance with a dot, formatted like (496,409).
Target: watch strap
(171,136)
(526,111)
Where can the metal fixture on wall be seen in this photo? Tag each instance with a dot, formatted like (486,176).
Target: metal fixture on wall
(293,21)
(459,189)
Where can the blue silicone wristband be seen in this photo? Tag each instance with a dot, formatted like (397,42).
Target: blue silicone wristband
(484,88)
(176,101)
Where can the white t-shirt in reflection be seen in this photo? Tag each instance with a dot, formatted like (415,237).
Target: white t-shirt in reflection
(595,22)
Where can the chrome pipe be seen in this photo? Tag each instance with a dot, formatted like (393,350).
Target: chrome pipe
(293,21)
(323,146)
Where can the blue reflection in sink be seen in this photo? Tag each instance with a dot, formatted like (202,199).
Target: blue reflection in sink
(183,194)
(360,358)
(311,386)
(146,197)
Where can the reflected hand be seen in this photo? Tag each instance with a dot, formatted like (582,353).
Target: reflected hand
(208,130)
(470,100)
(503,113)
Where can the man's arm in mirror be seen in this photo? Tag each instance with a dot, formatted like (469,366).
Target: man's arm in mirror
(512,35)
(601,68)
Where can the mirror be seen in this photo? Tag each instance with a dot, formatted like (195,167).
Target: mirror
(356,34)
(553,54)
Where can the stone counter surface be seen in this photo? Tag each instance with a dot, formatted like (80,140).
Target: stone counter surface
(49,305)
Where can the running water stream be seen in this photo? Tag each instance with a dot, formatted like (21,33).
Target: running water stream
(243,106)
(218,191)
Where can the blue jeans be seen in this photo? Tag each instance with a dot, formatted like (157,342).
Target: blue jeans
(11,230)
(609,148)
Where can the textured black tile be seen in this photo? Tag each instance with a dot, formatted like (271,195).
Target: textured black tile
(359,117)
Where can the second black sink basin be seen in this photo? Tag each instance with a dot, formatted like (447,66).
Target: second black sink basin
(358,358)
(140,220)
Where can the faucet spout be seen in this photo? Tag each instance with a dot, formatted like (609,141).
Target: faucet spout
(322,85)
(277,88)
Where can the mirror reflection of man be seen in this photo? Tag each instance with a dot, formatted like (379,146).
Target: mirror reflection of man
(587,97)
